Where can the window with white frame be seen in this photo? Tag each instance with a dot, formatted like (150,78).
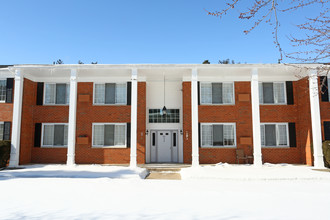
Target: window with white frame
(216,93)
(110,93)
(57,94)
(1,130)
(218,135)
(54,134)
(3,90)
(109,135)
(272,93)
(274,134)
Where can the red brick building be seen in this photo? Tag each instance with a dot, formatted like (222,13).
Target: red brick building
(136,114)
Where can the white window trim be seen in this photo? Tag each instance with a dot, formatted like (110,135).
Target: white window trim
(225,146)
(3,101)
(200,93)
(285,95)
(276,129)
(42,136)
(102,104)
(44,95)
(107,146)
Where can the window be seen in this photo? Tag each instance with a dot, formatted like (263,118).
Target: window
(274,134)
(272,93)
(216,93)
(2,90)
(57,93)
(54,135)
(172,116)
(1,130)
(109,135)
(110,93)
(218,135)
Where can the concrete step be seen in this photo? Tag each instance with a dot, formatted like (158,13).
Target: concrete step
(164,176)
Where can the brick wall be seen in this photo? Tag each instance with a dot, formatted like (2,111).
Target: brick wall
(186,111)
(87,113)
(241,114)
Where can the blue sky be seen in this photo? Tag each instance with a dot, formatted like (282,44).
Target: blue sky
(130,31)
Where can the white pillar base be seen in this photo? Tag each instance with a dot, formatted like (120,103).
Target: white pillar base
(195,161)
(133,163)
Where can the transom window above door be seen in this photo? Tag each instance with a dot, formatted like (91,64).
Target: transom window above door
(110,93)
(171,116)
(57,94)
(216,93)
(272,93)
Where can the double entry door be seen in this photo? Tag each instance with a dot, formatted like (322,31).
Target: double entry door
(164,146)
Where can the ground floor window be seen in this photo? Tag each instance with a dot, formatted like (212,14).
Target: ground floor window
(54,135)
(274,134)
(218,134)
(109,135)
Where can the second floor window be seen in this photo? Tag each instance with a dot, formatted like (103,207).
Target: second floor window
(272,93)
(2,90)
(110,93)
(216,93)
(57,93)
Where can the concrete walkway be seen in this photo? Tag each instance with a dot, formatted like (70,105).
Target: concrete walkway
(165,171)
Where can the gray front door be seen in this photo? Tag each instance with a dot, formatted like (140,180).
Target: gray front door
(164,146)
(164,149)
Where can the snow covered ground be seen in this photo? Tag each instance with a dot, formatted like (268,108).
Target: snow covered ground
(110,193)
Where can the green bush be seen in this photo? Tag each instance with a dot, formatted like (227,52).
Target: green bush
(4,153)
(326,153)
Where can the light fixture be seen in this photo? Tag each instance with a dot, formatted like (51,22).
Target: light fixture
(164,110)
(147,132)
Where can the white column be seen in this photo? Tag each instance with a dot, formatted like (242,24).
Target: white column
(72,118)
(194,118)
(134,96)
(316,119)
(257,156)
(17,113)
